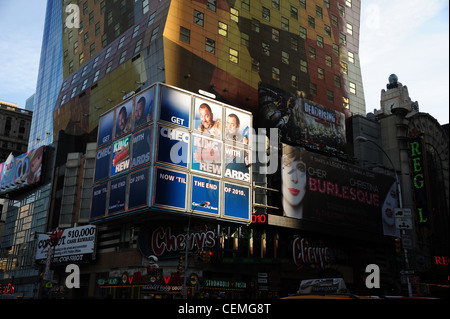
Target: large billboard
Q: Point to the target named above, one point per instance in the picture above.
(170, 149)
(323, 189)
(20, 171)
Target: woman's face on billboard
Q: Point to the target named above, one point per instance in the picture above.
(294, 180)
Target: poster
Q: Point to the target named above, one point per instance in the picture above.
(170, 188)
(206, 155)
(98, 203)
(208, 117)
(143, 108)
(117, 195)
(236, 201)
(237, 163)
(105, 129)
(205, 192)
(124, 118)
(173, 146)
(102, 163)
(175, 106)
(321, 188)
(141, 150)
(139, 189)
(120, 158)
(237, 126)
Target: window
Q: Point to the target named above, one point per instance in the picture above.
(285, 23)
(244, 39)
(337, 81)
(122, 56)
(122, 40)
(199, 17)
(313, 89)
(83, 87)
(81, 58)
(320, 73)
(92, 49)
(97, 73)
(326, 3)
(255, 25)
(294, 13)
(86, 38)
(275, 73)
(210, 46)
(275, 35)
(348, 3)
(266, 49)
(352, 87)
(223, 29)
(151, 19)
(145, 6)
(330, 96)
(284, 57)
(328, 60)
(185, 35)
(234, 15)
(303, 33)
(303, 66)
(351, 57)
(319, 12)
(349, 28)
(294, 80)
(334, 20)
(294, 44)
(344, 67)
(138, 46)
(97, 28)
(155, 33)
(336, 49)
(302, 3)
(311, 22)
(74, 91)
(255, 65)
(265, 14)
(342, 39)
(135, 31)
(327, 30)
(7, 126)
(234, 55)
(345, 102)
(108, 53)
(312, 52)
(245, 4)
(211, 5)
(341, 10)
(320, 41)
(276, 4)
(91, 17)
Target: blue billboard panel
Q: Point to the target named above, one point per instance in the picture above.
(175, 106)
(117, 195)
(237, 126)
(139, 189)
(170, 188)
(205, 192)
(102, 163)
(173, 146)
(121, 159)
(236, 201)
(142, 147)
(206, 155)
(124, 118)
(237, 163)
(143, 107)
(208, 117)
(98, 203)
(105, 129)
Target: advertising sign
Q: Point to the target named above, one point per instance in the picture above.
(102, 163)
(77, 244)
(175, 107)
(105, 129)
(237, 163)
(117, 195)
(205, 192)
(236, 201)
(173, 146)
(124, 118)
(139, 189)
(98, 203)
(141, 150)
(206, 155)
(121, 159)
(170, 188)
(143, 109)
(237, 126)
(321, 188)
(25, 169)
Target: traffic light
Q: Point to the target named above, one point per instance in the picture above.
(398, 246)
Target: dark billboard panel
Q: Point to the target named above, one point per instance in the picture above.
(205, 192)
(138, 196)
(173, 146)
(98, 203)
(175, 106)
(236, 201)
(237, 163)
(120, 158)
(170, 188)
(102, 163)
(105, 129)
(143, 108)
(142, 147)
(321, 188)
(117, 195)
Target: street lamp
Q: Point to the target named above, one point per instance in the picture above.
(202, 204)
(362, 139)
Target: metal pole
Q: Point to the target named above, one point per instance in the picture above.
(400, 199)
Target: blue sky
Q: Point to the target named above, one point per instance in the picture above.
(407, 37)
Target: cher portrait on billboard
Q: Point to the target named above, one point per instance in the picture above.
(293, 178)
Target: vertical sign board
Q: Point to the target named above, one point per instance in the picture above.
(105, 129)
(139, 189)
(170, 189)
(98, 204)
(175, 107)
(236, 201)
(117, 195)
(173, 146)
(142, 147)
(143, 109)
(121, 156)
(205, 192)
(124, 118)
(206, 155)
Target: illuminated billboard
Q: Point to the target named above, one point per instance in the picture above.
(173, 150)
(323, 189)
(21, 171)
